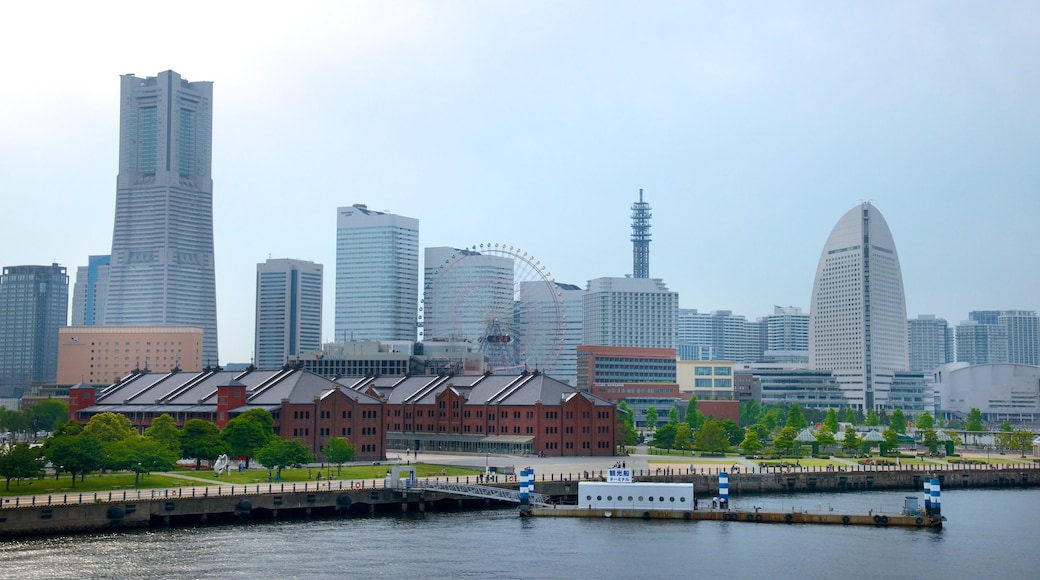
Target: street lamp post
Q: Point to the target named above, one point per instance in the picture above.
(137, 475)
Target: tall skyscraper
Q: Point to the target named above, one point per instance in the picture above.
(637, 312)
(34, 302)
(930, 342)
(288, 311)
(377, 275)
(90, 292)
(980, 344)
(1023, 336)
(162, 266)
(857, 320)
(693, 335)
(788, 334)
(641, 238)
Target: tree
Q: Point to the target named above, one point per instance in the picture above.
(664, 437)
(825, 436)
(673, 416)
(872, 418)
(772, 418)
(795, 418)
(201, 440)
(1005, 427)
(75, 454)
(850, 416)
(891, 440)
(850, 443)
(47, 415)
(925, 421)
(751, 443)
(109, 427)
(784, 442)
(931, 439)
(263, 416)
(143, 455)
(339, 451)
(244, 435)
(691, 412)
(749, 412)
(974, 420)
(1021, 440)
(734, 434)
(651, 417)
(831, 420)
(683, 436)
(164, 430)
(898, 421)
(279, 453)
(711, 438)
(18, 461)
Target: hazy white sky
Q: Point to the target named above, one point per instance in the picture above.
(751, 126)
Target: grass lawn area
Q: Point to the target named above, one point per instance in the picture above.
(93, 482)
(803, 461)
(347, 472)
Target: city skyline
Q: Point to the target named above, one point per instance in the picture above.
(538, 124)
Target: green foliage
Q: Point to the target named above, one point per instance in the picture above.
(691, 412)
(761, 430)
(898, 421)
(664, 437)
(831, 420)
(141, 455)
(683, 436)
(651, 417)
(201, 440)
(244, 434)
(711, 438)
(338, 450)
(18, 461)
(749, 412)
(825, 436)
(627, 432)
(47, 415)
(925, 421)
(891, 439)
(164, 430)
(109, 427)
(931, 439)
(751, 444)
(278, 453)
(673, 416)
(628, 416)
(850, 416)
(872, 418)
(851, 441)
(1021, 440)
(262, 416)
(734, 434)
(1005, 427)
(795, 418)
(974, 420)
(772, 418)
(74, 454)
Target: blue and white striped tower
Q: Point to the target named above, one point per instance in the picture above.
(936, 502)
(723, 489)
(928, 495)
(526, 485)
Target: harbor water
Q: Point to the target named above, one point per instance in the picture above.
(988, 533)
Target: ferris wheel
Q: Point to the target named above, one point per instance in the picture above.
(500, 299)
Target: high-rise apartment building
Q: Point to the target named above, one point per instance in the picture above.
(377, 275)
(162, 262)
(90, 292)
(930, 342)
(34, 302)
(693, 335)
(288, 311)
(1023, 336)
(857, 319)
(788, 330)
(632, 312)
(980, 344)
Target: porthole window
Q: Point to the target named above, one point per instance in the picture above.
(630, 498)
(640, 498)
(661, 498)
(682, 499)
(672, 499)
(651, 498)
(599, 498)
(588, 497)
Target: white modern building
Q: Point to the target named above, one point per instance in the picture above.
(788, 334)
(377, 275)
(693, 336)
(1003, 391)
(633, 312)
(162, 266)
(930, 342)
(857, 320)
(1023, 336)
(288, 311)
(979, 343)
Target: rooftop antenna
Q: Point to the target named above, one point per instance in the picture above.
(641, 238)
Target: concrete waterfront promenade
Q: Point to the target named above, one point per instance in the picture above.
(204, 498)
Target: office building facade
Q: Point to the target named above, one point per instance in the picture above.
(980, 344)
(288, 311)
(90, 292)
(34, 303)
(629, 312)
(857, 319)
(930, 342)
(162, 268)
(104, 355)
(377, 275)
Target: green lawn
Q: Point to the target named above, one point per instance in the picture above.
(803, 461)
(310, 474)
(93, 482)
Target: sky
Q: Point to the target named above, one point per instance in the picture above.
(751, 127)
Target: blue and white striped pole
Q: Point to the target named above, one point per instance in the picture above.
(723, 489)
(936, 502)
(928, 495)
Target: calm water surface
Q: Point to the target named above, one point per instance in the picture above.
(989, 534)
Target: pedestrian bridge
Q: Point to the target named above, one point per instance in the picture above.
(482, 491)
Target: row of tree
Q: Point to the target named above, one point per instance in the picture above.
(110, 442)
